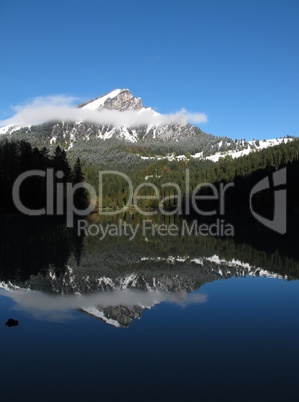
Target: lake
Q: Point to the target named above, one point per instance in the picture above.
(154, 318)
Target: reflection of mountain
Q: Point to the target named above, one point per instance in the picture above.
(120, 299)
(118, 316)
(115, 279)
(122, 316)
(172, 274)
(34, 249)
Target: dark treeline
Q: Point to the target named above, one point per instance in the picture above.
(247, 171)
(17, 157)
(244, 172)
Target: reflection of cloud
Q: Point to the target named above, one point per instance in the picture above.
(60, 108)
(194, 298)
(58, 307)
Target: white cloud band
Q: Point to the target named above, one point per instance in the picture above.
(61, 108)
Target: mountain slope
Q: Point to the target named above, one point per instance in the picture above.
(164, 136)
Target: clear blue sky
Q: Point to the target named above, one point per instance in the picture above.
(235, 60)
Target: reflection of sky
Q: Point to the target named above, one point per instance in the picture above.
(59, 307)
(247, 334)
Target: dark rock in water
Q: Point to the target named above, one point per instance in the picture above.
(12, 323)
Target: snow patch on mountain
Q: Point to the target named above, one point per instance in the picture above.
(99, 102)
(249, 146)
(10, 128)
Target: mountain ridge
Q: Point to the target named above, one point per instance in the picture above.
(175, 139)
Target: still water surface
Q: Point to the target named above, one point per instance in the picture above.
(151, 320)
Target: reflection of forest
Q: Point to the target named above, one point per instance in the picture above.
(32, 246)
(271, 252)
(29, 246)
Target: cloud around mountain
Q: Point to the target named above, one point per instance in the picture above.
(61, 108)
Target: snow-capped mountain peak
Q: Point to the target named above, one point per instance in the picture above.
(99, 119)
(118, 99)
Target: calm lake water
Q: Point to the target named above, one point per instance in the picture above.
(156, 318)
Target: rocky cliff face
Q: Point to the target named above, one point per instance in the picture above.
(118, 99)
(123, 101)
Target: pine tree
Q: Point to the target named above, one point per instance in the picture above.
(61, 163)
(80, 196)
